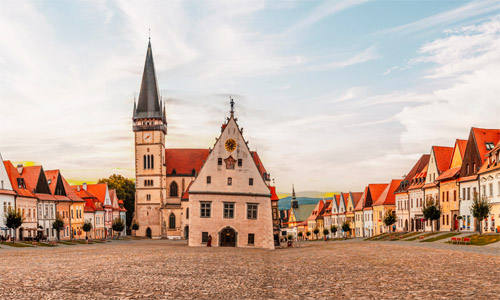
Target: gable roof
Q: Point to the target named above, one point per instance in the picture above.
(317, 210)
(374, 190)
(13, 177)
(70, 191)
(274, 196)
(417, 168)
(419, 180)
(442, 155)
(483, 136)
(53, 179)
(387, 197)
(184, 161)
(303, 211)
(356, 197)
(361, 202)
(34, 176)
(98, 190)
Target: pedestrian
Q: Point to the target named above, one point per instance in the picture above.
(209, 241)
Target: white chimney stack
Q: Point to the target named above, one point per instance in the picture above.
(78, 188)
(84, 186)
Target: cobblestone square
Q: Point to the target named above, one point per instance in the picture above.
(165, 270)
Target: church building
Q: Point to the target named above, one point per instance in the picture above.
(223, 192)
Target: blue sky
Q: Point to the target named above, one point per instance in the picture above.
(333, 95)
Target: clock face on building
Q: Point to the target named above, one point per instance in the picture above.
(148, 137)
(230, 145)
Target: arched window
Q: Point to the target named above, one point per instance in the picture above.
(145, 164)
(149, 161)
(152, 161)
(171, 221)
(174, 189)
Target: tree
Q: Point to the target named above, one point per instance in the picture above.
(13, 219)
(480, 210)
(308, 234)
(389, 218)
(87, 226)
(301, 234)
(333, 229)
(118, 225)
(316, 231)
(58, 225)
(346, 227)
(431, 211)
(125, 190)
(135, 226)
(326, 232)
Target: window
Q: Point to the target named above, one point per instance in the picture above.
(455, 195)
(219, 161)
(145, 162)
(463, 193)
(229, 181)
(209, 179)
(484, 190)
(187, 213)
(204, 237)
(489, 146)
(250, 181)
(148, 197)
(468, 193)
(171, 221)
(1, 183)
(174, 189)
(491, 189)
(468, 169)
(251, 238)
(252, 211)
(229, 210)
(205, 209)
(447, 196)
(240, 162)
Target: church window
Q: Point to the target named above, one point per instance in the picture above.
(250, 181)
(145, 183)
(174, 189)
(229, 181)
(205, 209)
(229, 210)
(209, 179)
(219, 161)
(171, 221)
(251, 238)
(240, 162)
(204, 237)
(152, 161)
(252, 211)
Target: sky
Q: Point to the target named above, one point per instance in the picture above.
(333, 95)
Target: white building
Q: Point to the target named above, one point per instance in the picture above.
(7, 198)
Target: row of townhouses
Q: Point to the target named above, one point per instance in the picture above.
(42, 196)
(452, 176)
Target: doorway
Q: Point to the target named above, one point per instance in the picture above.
(228, 237)
(148, 233)
(186, 232)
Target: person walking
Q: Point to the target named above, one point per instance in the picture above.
(209, 241)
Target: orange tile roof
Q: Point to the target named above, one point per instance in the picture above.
(449, 174)
(417, 168)
(419, 180)
(52, 176)
(31, 175)
(483, 136)
(317, 210)
(185, 196)
(13, 176)
(388, 197)
(356, 197)
(462, 145)
(70, 192)
(443, 157)
(361, 202)
(98, 190)
(495, 164)
(375, 190)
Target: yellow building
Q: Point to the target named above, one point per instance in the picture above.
(352, 201)
(385, 202)
(448, 189)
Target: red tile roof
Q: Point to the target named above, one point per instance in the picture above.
(70, 192)
(443, 157)
(258, 162)
(417, 168)
(419, 180)
(183, 161)
(388, 197)
(376, 189)
(462, 144)
(98, 190)
(274, 196)
(13, 176)
(356, 197)
(483, 136)
(316, 212)
(52, 176)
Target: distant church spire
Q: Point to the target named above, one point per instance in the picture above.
(295, 204)
(232, 106)
(148, 105)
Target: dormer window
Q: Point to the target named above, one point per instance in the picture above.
(489, 146)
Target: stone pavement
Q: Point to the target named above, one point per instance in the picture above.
(317, 270)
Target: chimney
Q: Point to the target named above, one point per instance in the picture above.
(84, 186)
(20, 168)
(78, 188)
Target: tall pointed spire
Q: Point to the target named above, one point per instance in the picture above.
(149, 104)
(295, 203)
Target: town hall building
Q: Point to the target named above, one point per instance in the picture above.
(222, 192)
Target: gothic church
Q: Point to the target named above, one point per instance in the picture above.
(223, 192)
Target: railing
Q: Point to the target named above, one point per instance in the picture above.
(150, 128)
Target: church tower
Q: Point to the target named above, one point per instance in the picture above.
(150, 129)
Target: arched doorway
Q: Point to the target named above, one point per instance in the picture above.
(186, 232)
(227, 237)
(148, 232)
